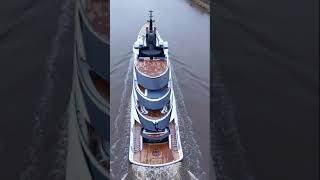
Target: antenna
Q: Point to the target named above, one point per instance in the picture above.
(151, 20)
(150, 15)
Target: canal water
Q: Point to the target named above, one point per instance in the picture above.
(36, 52)
(186, 28)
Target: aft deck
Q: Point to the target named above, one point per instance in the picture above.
(152, 67)
(155, 153)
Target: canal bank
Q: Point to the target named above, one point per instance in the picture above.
(205, 4)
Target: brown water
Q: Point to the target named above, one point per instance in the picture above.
(186, 28)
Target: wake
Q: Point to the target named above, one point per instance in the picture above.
(121, 129)
(191, 150)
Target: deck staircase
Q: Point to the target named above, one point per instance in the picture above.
(137, 143)
(174, 145)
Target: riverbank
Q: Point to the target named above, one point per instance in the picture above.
(203, 4)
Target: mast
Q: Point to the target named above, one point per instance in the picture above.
(150, 21)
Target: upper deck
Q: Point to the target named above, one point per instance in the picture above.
(98, 15)
(152, 74)
(152, 67)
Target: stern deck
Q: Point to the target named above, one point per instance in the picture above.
(155, 153)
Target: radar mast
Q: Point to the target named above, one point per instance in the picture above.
(150, 20)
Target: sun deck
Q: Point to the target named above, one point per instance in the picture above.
(155, 153)
(153, 68)
(98, 15)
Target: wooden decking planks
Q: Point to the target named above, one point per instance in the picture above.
(155, 153)
(153, 114)
(98, 14)
(152, 67)
(142, 89)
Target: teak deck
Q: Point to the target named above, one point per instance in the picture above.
(154, 114)
(102, 86)
(153, 67)
(98, 14)
(155, 153)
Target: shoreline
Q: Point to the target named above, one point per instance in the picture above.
(203, 4)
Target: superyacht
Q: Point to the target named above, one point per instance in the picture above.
(154, 125)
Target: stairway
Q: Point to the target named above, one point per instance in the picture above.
(137, 131)
(174, 145)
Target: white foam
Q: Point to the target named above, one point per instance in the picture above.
(120, 138)
(191, 149)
